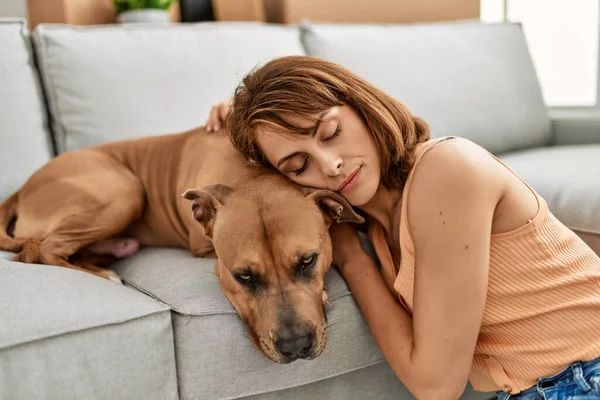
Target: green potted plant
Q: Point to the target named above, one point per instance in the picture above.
(143, 10)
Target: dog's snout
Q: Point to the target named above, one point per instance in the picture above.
(295, 343)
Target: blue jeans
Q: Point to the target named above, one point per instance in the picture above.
(579, 381)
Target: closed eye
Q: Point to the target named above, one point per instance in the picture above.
(300, 170)
(335, 134)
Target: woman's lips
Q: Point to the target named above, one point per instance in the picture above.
(350, 182)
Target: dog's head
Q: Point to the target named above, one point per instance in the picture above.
(273, 248)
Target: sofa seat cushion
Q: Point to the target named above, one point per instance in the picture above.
(568, 178)
(25, 142)
(115, 82)
(465, 78)
(215, 358)
(5, 255)
(66, 334)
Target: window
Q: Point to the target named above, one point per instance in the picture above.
(563, 39)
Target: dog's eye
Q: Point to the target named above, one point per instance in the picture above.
(308, 261)
(244, 278)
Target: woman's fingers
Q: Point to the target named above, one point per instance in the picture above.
(213, 119)
(218, 115)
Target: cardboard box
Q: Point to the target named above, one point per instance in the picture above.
(239, 10)
(78, 12)
(375, 11)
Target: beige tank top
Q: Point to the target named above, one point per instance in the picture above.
(543, 302)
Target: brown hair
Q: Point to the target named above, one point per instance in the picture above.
(307, 86)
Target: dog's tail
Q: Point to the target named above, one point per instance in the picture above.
(8, 210)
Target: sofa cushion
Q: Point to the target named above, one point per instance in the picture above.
(117, 82)
(377, 382)
(567, 177)
(25, 142)
(215, 358)
(211, 343)
(5, 255)
(466, 79)
(67, 334)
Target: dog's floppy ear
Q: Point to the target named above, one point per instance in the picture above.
(335, 207)
(206, 201)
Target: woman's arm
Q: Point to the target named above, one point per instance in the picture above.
(450, 211)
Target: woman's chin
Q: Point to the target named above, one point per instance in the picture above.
(362, 194)
(358, 198)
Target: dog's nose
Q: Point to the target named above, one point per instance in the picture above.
(293, 344)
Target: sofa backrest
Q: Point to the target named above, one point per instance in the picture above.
(117, 82)
(464, 78)
(107, 83)
(25, 142)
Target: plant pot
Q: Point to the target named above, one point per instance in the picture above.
(146, 15)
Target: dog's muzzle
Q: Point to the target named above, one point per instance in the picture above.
(293, 343)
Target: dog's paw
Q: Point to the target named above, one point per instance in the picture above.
(120, 247)
(126, 247)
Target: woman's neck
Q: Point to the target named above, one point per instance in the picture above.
(383, 206)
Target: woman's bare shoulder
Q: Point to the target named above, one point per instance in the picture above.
(458, 160)
(455, 172)
(452, 171)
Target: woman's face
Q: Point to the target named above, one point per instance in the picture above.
(341, 155)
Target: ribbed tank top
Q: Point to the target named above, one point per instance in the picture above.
(542, 310)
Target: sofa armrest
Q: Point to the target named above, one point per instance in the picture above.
(575, 126)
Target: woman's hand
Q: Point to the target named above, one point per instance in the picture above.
(218, 115)
(346, 246)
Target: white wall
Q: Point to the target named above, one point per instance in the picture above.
(13, 8)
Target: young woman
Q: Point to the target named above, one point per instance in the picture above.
(479, 280)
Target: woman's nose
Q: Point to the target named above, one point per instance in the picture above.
(333, 166)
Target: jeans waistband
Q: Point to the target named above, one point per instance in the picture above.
(574, 373)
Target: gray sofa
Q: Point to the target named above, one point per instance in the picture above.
(169, 333)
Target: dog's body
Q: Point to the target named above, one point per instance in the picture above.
(121, 188)
(271, 238)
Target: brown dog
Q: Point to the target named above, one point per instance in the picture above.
(271, 237)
